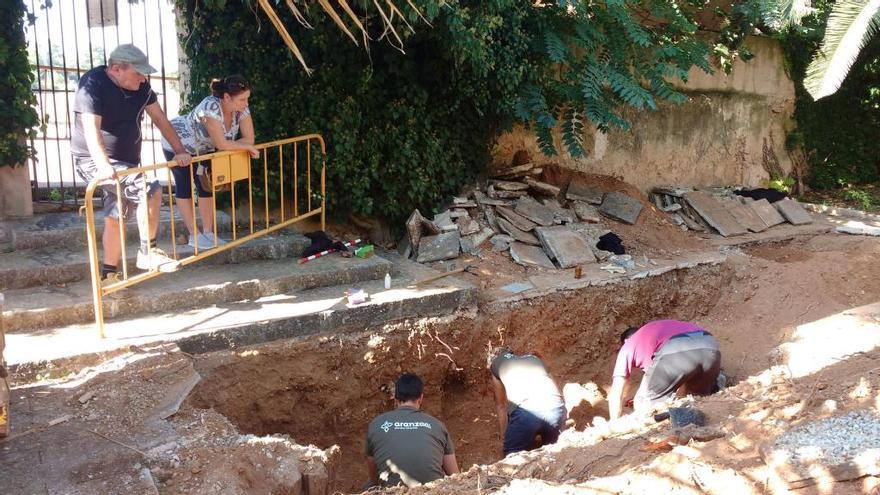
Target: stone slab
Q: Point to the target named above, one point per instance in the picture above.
(517, 234)
(560, 215)
(858, 228)
(578, 191)
(517, 171)
(458, 213)
(543, 188)
(793, 212)
(509, 186)
(506, 194)
(768, 213)
(566, 246)
(439, 247)
(586, 212)
(193, 286)
(471, 244)
(745, 215)
(249, 322)
(529, 255)
(620, 206)
(534, 211)
(714, 213)
(443, 221)
(516, 219)
(467, 225)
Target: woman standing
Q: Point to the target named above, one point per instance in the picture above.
(213, 125)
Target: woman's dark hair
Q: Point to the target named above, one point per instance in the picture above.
(627, 334)
(408, 387)
(232, 85)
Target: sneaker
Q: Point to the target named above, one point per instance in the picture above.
(114, 278)
(156, 259)
(206, 241)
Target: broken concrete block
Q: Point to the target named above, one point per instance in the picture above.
(745, 215)
(467, 225)
(529, 255)
(793, 212)
(444, 222)
(543, 188)
(414, 226)
(458, 213)
(671, 208)
(587, 213)
(714, 213)
(858, 228)
(517, 220)
(471, 244)
(509, 186)
(620, 206)
(439, 247)
(518, 234)
(534, 211)
(493, 202)
(768, 213)
(560, 215)
(460, 201)
(578, 191)
(565, 245)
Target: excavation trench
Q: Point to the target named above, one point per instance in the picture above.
(324, 391)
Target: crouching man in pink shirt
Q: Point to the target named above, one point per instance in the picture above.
(678, 358)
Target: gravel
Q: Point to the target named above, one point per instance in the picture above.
(833, 441)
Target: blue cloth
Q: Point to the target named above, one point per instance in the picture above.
(523, 427)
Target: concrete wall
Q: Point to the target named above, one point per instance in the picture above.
(732, 131)
(15, 193)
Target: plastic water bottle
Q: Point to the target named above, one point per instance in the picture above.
(387, 280)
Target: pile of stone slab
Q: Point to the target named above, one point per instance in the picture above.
(721, 210)
(538, 224)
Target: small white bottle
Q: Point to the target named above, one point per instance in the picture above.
(387, 280)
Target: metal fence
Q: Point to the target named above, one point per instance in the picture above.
(300, 164)
(67, 38)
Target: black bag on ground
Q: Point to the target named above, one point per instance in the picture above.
(611, 242)
(321, 242)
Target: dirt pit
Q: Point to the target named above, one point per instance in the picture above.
(324, 392)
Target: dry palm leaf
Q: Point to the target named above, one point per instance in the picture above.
(264, 4)
(298, 15)
(419, 12)
(393, 8)
(325, 4)
(353, 17)
(389, 26)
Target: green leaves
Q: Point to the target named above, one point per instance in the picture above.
(16, 97)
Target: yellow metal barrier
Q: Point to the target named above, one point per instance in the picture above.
(227, 168)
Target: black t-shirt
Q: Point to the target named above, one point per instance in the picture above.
(121, 111)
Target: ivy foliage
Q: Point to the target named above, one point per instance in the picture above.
(839, 132)
(407, 130)
(16, 98)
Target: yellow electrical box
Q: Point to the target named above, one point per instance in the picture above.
(228, 169)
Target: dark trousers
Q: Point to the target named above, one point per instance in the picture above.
(524, 426)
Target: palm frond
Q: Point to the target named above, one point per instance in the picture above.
(851, 25)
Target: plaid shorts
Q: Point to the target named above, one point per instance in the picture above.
(132, 186)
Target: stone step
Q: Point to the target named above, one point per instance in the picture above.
(50, 229)
(65, 263)
(194, 286)
(285, 315)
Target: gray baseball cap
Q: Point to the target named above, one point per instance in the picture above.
(134, 56)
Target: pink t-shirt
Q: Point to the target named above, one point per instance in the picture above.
(638, 351)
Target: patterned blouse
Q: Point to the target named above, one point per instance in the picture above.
(192, 131)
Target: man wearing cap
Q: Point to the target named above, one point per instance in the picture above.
(678, 358)
(108, 111)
